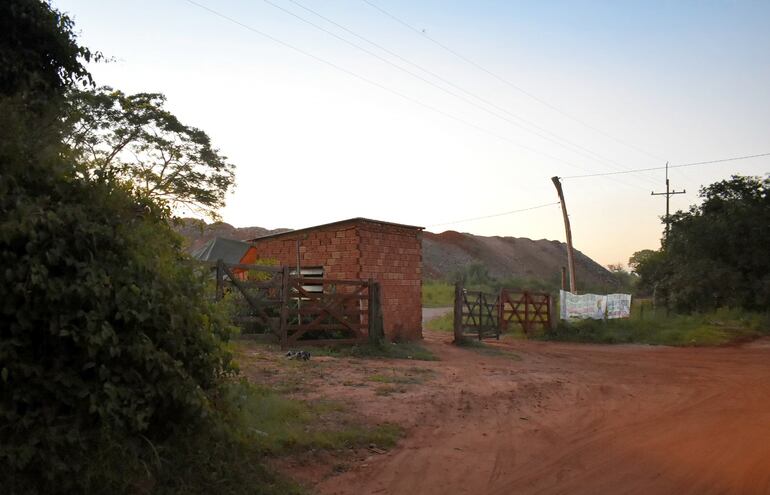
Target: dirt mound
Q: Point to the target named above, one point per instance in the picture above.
(446, 253)
(197, 232)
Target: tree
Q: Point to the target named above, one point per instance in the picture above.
(626, 281)
(134, 138)
(716, 253)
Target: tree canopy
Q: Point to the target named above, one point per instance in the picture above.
(134, 138)
(716, 252)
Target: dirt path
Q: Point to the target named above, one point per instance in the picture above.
(565, 418)
(431, 313)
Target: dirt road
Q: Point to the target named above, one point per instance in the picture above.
(563, 418)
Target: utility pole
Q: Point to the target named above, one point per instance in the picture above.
(570, 251)
(668, 195)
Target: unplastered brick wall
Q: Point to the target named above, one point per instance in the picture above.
(393, 256)
(360, 250)
(336, 250)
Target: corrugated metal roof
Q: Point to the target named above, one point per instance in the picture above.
(228, 250)
(333, 224)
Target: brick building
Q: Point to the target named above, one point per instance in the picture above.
(358, 249)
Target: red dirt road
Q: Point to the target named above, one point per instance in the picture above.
(567, 418)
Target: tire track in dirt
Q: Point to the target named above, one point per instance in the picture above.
(583, 419)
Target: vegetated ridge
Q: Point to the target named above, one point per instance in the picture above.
(507, 257)
(445, 254)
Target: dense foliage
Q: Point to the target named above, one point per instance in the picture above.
(108, 345)
(716, 252)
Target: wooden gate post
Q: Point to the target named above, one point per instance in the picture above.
(482, 304)
(458, 313)
(376, 330)
(282, 331)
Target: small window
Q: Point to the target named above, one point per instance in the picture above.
(310, 272)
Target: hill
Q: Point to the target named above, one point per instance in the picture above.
(506, 257)
(446, 253)
(197, 232)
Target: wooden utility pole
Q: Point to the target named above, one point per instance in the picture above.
(570, 251)
(668, 195)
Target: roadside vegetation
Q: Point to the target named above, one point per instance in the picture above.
(117, 369)
(719, 327)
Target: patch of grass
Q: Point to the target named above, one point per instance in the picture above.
(386, 390)
(436, 294)
(412, 376)
(392, 350)
(721, 327)
(279, 425)
(487, 350)
(443, 323)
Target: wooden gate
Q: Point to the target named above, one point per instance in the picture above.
(476, 314)
(525, 308)
(483, 314)
(333, 312)
(256, 293)
(300, 311)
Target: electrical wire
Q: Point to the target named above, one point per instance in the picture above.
(555, 138)
(509, 83)
(431, 83)
(493, 215)
(381, 86)
(681, 165)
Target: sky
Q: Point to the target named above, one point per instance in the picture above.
(467, 115)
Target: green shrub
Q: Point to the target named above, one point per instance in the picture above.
(105, 333)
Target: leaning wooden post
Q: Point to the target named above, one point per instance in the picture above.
(283, 330)
(458, 313)
(220, 292)
(570, 250)
(376, 330)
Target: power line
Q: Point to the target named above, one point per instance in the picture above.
(493, 215)
(509, 83)
(681, 165)
(380, 86)
(462, 98)
(559, 140)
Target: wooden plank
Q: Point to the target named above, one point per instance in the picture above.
(321, 342)
(324, 326)
(327, 281)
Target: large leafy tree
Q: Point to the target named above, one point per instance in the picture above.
(716, 252)
(135, 139)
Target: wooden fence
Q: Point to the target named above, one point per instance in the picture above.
(300, 311)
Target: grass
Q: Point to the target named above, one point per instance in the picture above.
(391, 350)
(437, 294)
(443, 323)
(721, 327)
(278, 425)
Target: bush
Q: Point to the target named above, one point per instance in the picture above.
(106, 336)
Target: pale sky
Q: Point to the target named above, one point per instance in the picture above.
(678, 81)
